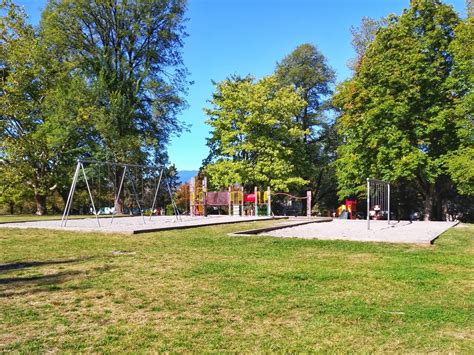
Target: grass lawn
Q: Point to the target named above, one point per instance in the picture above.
(201, 290)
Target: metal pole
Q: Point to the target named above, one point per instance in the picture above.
(136, 195)
(229, 201)
(256, 201)
(368, 204)
(242, 201)
(204, 194)
(156, 194)
(308, 204)
(118, 194)
(90, 195)
(89, 161)
(388, 203)
(269, 201)
(173, 203)
(67, 207)
(192, 194)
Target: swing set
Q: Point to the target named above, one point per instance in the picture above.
(378, 200)
(149, 177)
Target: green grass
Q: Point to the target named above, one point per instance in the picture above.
(200, 290)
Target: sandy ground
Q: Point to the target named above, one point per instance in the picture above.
(356, 230)
(131, 224)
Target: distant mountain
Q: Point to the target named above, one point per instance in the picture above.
(186, 175)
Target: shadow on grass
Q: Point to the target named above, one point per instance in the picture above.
(27, 285)
(59, 277)
(19, 286)
(27, 264)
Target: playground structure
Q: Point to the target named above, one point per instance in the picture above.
(378, 200)
(347, 210)
(237, 202)
(133, 174)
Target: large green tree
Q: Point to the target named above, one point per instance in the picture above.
(130, 53)
(397, 116)
(460, 163)
(307, 70)
(43, 109)
(254, 137)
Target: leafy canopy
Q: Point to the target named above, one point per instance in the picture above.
(397, 116)
(254, 137)
(130, 52)
(42, 122)
(306, 69)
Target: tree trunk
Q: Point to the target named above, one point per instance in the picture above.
(428, 205)
(40, 204)
(119, 206)
(64, 195)
(11, 205)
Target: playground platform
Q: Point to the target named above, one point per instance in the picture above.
(417, 232)
(136, 225)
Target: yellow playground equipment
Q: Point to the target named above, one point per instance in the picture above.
(237, 202)
(197, 196)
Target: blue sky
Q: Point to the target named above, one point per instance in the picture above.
(248, 37)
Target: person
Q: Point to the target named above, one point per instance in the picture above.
(377, 211)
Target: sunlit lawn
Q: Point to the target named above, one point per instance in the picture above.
(201, 290)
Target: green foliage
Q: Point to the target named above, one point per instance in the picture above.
(255, 140)
(130, 55)
(460, 163)
(42, 124)
(12, 191)
(307, 70)
(460, 167)
(397, 114)
(363, 36)
(96, 78)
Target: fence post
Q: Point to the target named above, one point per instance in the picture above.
(388, 203)
(192, 195)
(308, 204)
(368, 203)
(204, 196)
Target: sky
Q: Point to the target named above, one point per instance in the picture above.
(249, 37)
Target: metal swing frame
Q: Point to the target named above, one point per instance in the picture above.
(381, 197)
(126, 172)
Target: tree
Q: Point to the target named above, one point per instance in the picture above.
(460, 163)
(396, 113)
(42, 121)
(363, 36)
(307, 70)
(130, 52)
(182, 198)
(12, 191)
(254, 139)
